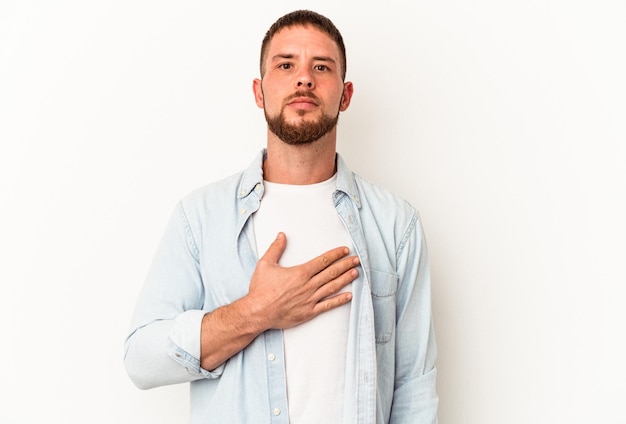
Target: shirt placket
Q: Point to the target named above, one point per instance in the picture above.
(363, 327)
(273, 339)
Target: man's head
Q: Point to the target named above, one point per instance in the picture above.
(304, 18)
(302, 89)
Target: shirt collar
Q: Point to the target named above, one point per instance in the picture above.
(346, 181)
(253, 178)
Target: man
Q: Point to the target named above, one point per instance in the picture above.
(333, 323)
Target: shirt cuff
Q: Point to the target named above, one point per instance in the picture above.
(184, 344)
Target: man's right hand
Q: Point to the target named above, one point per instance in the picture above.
(286, 297)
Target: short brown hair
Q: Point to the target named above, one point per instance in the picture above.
(304, 18)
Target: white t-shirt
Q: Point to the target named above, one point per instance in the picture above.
(315, 352)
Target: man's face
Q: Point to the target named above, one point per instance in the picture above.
(302, 91)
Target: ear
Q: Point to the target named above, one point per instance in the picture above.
(258, 92)
(348, 90)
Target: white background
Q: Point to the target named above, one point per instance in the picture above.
(503, 122)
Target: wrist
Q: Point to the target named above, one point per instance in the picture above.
(254, 315)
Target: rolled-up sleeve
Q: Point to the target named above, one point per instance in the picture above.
(163, 345)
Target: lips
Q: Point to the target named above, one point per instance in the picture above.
(302, 99)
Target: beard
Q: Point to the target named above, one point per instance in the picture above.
(302, 133)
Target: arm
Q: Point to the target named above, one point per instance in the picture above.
(415, 398)
(169, 321)
(168, 312)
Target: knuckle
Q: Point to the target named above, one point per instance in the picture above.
(333, 273)
(301, 274)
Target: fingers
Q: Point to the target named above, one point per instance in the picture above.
(325, 260)
(336, 269)
(333, 279)
(276, 249)
(332, 303)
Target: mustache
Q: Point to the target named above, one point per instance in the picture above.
(302, 93)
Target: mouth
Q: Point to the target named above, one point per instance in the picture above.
(303, 97)
(302, 102)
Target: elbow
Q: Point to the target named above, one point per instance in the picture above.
(136, 373)
(138, 368)
(140, 383)
(138, 379)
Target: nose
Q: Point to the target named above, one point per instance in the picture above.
(305, 80)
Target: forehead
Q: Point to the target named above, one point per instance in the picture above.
(302, 40)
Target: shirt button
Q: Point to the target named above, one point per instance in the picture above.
(276, 411)
(271, 356)
(243, 211)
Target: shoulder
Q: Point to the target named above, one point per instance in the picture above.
(371, 198)
(226, 191)
(214, 200)
(225, 187)
(387, 218)
(383, 201)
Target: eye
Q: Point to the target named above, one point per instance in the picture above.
(284, 66)
(321, 68)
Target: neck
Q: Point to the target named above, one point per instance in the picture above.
(300, 164)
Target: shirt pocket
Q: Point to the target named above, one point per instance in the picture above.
(384, 286)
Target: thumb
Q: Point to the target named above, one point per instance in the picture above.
(276, 249)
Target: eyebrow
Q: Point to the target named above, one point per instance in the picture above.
(291, 56)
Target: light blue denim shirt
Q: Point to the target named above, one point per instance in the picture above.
(206, 259)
